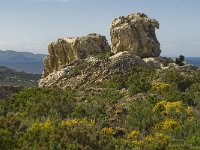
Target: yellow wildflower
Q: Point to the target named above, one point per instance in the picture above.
(138, 142)
(159, 86)
(177, 106)
(160, 106)
(149, 138)
(190, 119)
(134, 134)
(170, 124)
(189, 110)
(71, 122)
(166, 107)
(158, 137)
(108, 130)
(162, 138)
(45, 125)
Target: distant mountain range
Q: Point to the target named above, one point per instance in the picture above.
(10, 77)
(22, 61)
(33, 63)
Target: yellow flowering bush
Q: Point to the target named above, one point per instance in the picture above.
(166, 107)
(159, 137)
(156, 141)
(133, 135)
(108, 130)
(72, 122)
(159, 86)
(170, 124)
(138, 142)
(190, 119)
(189, 110)
(135, 139)
(162, 138)
(149, 138)
(46, 125)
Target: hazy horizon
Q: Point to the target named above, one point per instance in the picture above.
(30, 25)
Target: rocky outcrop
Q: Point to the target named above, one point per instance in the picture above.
(73, 62)
(159, 62)
(91, 70)
(135, 33)
(67, 50)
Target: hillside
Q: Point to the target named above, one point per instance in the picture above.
(22, 61)
(10, 77)
(96, 96)
(142, 109)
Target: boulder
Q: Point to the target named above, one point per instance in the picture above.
(159, 62)
(135, 33)
(66, 50)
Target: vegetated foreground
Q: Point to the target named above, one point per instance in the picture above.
(143, 109)
(96, 97)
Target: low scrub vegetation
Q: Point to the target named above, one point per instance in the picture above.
(143, 109)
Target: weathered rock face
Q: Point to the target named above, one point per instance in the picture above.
(135, 33)
(91, 70)
(67, 50)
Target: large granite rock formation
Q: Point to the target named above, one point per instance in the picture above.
(134, 43)
(67, 50)
(135, 33)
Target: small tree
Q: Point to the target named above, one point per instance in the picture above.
(180, 60)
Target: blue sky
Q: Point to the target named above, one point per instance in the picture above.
(30, 25)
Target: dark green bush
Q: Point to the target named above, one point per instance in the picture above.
(39, 103)
(180, 60)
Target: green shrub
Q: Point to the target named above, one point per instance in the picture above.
(39, 103)
(105, 55)
(139, 80)
(180, 60)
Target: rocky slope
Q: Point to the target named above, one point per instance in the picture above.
(76, 62)
(92, 70)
